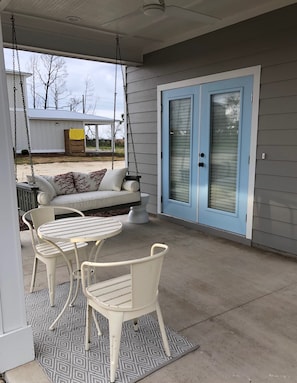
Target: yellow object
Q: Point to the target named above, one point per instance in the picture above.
(76, 134)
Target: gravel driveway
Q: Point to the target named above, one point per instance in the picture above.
(63, 167)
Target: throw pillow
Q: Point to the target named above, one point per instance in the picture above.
(131, 186)
(113, 179)
(62, 183)
(88, 182)
(43, 186)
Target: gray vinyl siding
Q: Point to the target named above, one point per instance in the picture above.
(269, 41)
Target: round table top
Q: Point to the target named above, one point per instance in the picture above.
(80, 229)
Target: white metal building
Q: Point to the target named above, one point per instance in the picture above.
(45, 126)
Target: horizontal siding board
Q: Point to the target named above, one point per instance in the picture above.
(278, 153)
(148, 138)
(276, 198)
(143, 107)
(144, 169)
(147, 169)
(276, 168)
(279, 71)
(148, 127)
(277, 228)
(280, 88)
(147, 158)
(278, 137)
(282, 184)
(276, 213)
(141, 118)
(144, 127)
(274, 242)
(278, 105)
(151, 190)
(278, 122)
(142, 96)
(144, 149)
(145, 183)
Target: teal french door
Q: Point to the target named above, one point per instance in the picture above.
(205, 153)
(179, 150)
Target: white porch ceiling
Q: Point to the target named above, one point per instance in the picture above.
(88, 28)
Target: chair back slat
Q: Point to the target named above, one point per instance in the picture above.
(145, 280)
(42, 215)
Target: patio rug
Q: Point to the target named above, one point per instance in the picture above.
(62, 355)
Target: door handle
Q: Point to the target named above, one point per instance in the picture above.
(200, 164)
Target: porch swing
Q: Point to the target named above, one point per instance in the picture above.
(27, 192)
(128, 121)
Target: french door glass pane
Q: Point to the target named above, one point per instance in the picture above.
(223, 169)
(180, 145)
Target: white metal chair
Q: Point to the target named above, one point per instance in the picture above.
(45, 251)
(124, 298)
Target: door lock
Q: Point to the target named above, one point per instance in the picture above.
(200, 164)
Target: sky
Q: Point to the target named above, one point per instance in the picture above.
(102, 76)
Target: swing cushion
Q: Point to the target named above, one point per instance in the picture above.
(44, 186)
(113, 179)
(88, 182)
(62, 183)
(130, 186)
(114, 190)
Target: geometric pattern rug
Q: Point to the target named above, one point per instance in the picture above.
(61, 352)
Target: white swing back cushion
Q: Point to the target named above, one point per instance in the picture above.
(44, 186)
(113, 179)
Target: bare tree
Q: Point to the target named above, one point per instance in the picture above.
(59, 92)
(51, 76)
(74, 102)
(88, 94)
(32, 67)
(48, 86)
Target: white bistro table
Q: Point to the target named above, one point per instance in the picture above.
(75, 230)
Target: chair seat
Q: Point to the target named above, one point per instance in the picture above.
(49, 250)
(115, 292)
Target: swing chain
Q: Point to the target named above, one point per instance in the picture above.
(128, 122)
(16, 55)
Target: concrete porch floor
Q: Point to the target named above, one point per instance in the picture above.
(237, 302)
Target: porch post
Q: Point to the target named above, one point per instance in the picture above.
(16, 339)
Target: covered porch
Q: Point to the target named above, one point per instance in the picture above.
(239, 303)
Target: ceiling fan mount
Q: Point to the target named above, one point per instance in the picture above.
(157, 10)
(154, 9)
